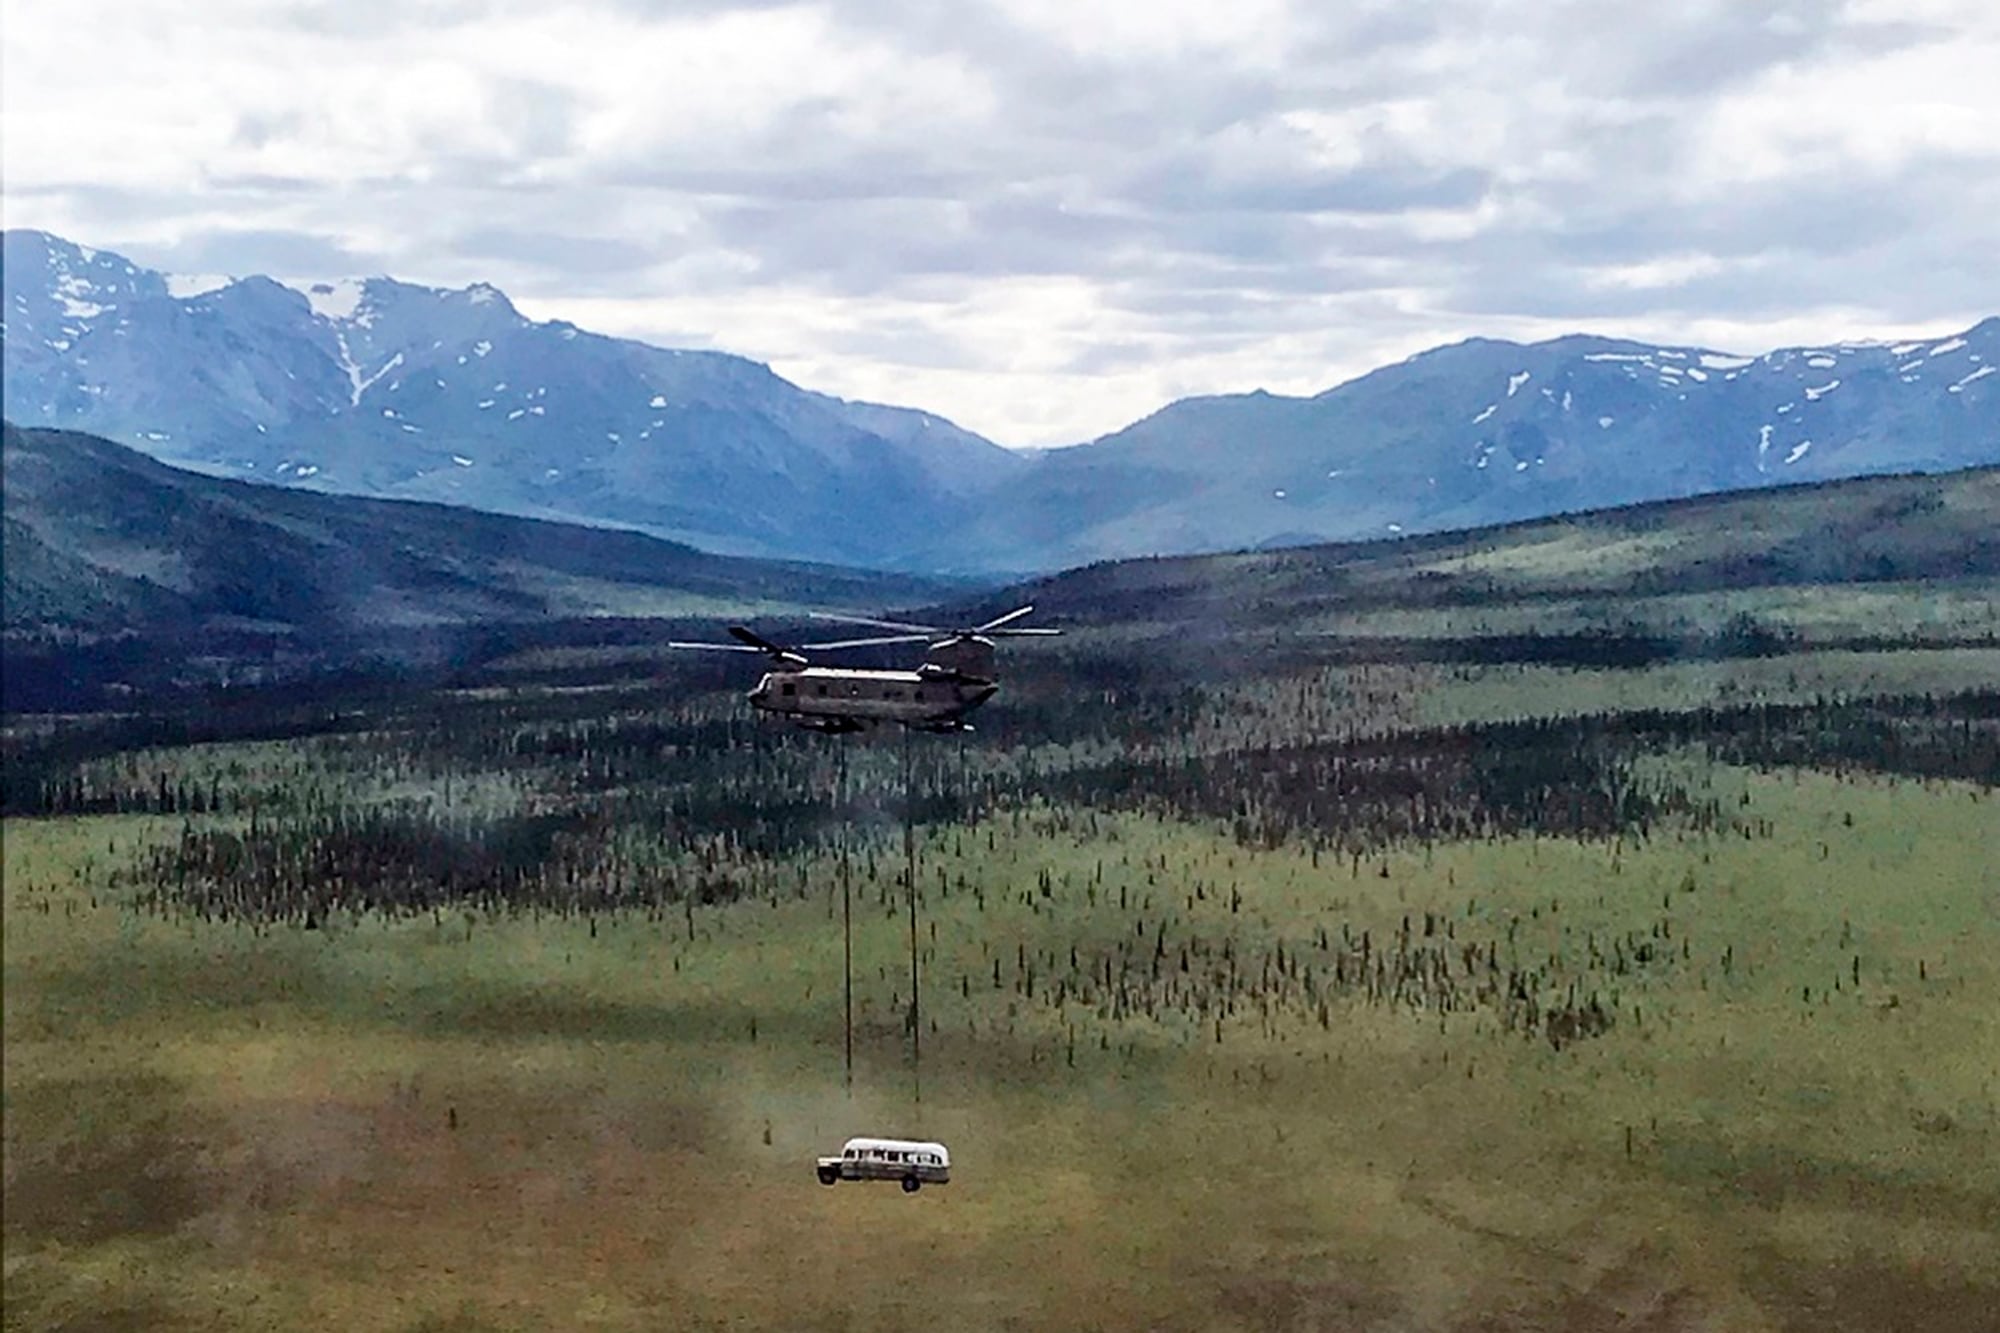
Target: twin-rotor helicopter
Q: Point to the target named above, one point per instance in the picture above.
(955, 677)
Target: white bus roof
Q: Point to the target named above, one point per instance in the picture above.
(897, 1145)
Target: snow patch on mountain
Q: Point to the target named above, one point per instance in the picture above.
(357, 382)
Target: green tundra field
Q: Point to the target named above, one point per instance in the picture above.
(1363, 977)
(1739, 1069)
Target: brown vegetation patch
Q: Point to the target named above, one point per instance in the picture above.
(90, 1159)
(1861, 1296)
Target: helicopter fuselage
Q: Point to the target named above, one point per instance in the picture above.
(834, 699)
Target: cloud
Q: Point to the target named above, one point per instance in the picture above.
(1044, 218)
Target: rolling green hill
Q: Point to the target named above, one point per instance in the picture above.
(101, 539)
(1829, 559)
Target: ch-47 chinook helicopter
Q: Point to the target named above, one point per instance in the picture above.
(956, 676)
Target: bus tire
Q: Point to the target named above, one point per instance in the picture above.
(911, 1184)
(828, 1175)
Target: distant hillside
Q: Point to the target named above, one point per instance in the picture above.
(1942, 532)
(101, 540)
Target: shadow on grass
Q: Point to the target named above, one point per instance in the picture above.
(1862, 1296)
(110, 987)
(1774, 1175)
(93, 1159)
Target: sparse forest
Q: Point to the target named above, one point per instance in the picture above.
(1679, 947)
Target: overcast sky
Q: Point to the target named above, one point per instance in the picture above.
(1046, 218)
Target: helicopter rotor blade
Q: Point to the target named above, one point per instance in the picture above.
(871, 642)
(748, 642)
(1022, 633)
(879, 624)
(714, 647)
(1013, 615)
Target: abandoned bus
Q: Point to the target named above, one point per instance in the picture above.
(913, 1163)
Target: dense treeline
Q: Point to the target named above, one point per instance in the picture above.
(1568, 777)
(508, 807)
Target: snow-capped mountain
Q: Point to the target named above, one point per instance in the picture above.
(383, 388)
(1484, 432)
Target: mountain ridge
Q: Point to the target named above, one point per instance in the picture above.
(385, 388)
(381, 387)
(1485, 431)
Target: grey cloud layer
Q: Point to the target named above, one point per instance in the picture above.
(1316, 184)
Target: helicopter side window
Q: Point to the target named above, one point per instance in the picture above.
(822, 691)
(788, 689)
(920, 696)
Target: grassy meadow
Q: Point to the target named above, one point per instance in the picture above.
(1587, 924)
(1741, 1076)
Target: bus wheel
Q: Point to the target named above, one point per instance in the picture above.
(828, 1175)
(911, 1184)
